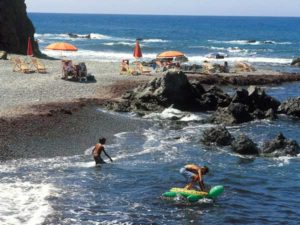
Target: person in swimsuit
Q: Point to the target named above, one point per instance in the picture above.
(193, 174)
(98, 149)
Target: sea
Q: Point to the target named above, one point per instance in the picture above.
(72, 191)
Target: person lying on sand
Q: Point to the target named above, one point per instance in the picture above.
(98, 149)
(193, 174)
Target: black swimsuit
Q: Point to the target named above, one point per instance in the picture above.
(99, 160)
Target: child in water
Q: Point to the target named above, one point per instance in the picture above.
(98, 149)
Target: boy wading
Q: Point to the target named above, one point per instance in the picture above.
(98, 149)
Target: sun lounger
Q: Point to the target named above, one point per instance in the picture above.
(38, 65)
(142, 69)
(81, 71)
(20, 65)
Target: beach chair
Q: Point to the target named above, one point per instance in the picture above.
(142, 69)
(81, 71)
(20, 65)
(38, 65)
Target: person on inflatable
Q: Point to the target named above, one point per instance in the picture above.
(98, 149)
(193, 174)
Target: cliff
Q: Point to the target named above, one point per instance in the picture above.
(15, 27)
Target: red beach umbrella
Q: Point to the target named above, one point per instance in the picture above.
(137, 52)
(29, 47)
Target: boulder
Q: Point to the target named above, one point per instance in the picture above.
(296, 62)
(173, 89)
(280, 146)
(245, 106)
(217, 135)
(3, 55)
(241, 96)
(258, 99)
(235, 113)
(244, 146)
(291, 107)
(16, 27)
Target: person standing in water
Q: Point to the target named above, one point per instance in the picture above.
(98, 149)
(193, 174)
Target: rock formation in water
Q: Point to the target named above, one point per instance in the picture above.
(16, 27)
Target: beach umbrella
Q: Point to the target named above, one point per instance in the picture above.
(29, 47)
(170, 55)
(137, 52)
(62, 46)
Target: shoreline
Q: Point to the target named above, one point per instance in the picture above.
(65, 116)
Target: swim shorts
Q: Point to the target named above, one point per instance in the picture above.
(187, 174)
(99, 160)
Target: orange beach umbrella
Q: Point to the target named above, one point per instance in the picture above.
(137, 52)
(62, 46)
(169, 54)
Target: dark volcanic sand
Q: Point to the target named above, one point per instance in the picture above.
(61, 134)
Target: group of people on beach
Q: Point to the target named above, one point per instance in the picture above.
(193, 173)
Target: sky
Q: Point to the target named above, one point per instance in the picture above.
(170, 7)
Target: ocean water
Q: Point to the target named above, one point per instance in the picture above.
(72, 191)
(266, 42)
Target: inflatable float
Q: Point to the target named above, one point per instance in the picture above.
(194, 195)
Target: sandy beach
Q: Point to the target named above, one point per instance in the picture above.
(19, 90)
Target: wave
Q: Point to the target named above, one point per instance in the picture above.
(154, 41)
(250, 42)
(97, 55)
(99, 36)
(120, 43)
(68, 37)
(24, 202)
(104, 56)
(198, 59)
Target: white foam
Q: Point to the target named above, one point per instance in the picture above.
(249, 42)
(120, 43)
(67, 37)
(154, 40)
(96, 55)
(198, 59)
(24, 203)
(99, 36)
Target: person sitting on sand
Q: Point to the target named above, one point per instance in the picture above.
(98, 149)
(193, 174)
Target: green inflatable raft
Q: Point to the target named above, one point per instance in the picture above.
(193, 195)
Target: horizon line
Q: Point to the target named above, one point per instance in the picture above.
(132, 14)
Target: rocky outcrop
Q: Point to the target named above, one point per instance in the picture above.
(280, 146)
(296, 62)
(87, 36)
(15, 27)
(245, 106)
(290, 107)
(172, 89)
(244, 146)
(217, 135)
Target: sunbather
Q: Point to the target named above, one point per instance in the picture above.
(68, 69)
